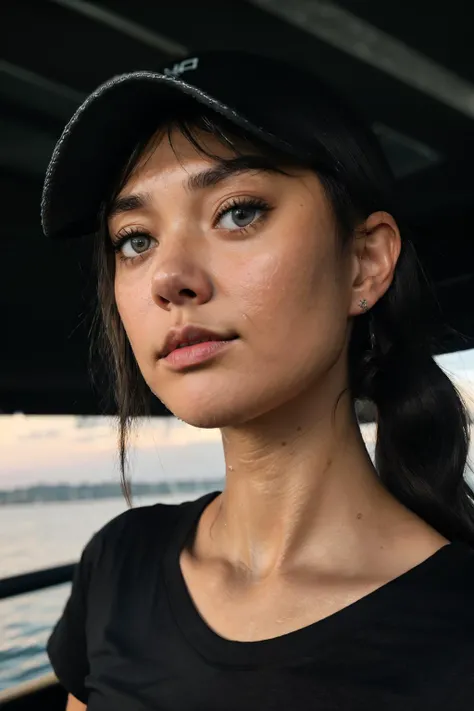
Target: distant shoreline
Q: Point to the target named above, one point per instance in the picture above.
(46, 493)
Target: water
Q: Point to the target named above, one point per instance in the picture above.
(42, 536)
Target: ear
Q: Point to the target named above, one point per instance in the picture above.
(376, 249)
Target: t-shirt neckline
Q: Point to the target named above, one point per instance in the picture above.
(306, 643)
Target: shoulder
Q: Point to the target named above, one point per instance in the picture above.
(459, 567)
(453, 573)
(137, 533)
(136, 521)
(132, 527)
(449, 592)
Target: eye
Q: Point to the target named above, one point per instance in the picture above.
(132, 245)
(242, 213)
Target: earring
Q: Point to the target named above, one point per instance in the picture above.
(364, 305)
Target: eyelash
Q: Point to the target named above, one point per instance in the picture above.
(248, 203)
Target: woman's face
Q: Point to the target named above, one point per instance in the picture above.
(254, 254)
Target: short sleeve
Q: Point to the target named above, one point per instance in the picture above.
(67, 645)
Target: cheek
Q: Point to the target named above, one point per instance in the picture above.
(133, 305)
(291, 292)
(295, 322)
(295, 308)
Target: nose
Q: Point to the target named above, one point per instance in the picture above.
(180, 280)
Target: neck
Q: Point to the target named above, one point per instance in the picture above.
(297, 487)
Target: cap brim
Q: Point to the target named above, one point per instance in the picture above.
(101, 135)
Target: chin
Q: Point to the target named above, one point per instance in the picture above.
(213, 400)
(210, 410)
(206, 416)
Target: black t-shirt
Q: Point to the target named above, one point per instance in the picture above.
(131, 639)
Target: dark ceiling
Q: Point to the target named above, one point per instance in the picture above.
(407, 66)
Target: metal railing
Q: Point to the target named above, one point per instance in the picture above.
(12, 698)
(42, 688)
(36, 580)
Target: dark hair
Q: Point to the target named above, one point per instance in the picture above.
(422, 425)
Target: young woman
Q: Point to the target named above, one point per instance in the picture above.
(254, 276)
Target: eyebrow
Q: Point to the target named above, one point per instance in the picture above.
(128, 203)
(212, 176)
(198, 181)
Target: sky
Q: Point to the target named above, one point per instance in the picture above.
(48, 449)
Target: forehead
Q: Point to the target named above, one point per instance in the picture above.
(202, 161)
(195, 162)
(168, 148)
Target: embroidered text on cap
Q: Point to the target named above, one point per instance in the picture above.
(180, 67)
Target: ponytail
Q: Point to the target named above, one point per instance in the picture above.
(422, 424)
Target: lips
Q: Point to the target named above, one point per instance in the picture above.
(192, 334)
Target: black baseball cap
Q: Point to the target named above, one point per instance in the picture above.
(272, 100)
